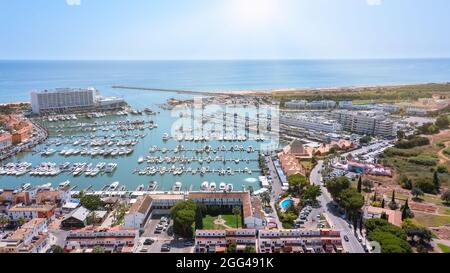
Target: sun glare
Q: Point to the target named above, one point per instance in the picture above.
(255, 11)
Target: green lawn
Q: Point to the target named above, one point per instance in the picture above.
(444, 248)
(430, 220)
(230, 220)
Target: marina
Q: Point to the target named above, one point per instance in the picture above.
(131, 146)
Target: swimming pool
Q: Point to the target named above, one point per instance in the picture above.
(286, 203)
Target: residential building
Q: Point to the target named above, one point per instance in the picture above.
(31, 212)
(112, 239)
(146, 205)
(32, 237)
(138, 213)
(5, 141)
(299, 241)
(319, 124)
(217, 241)
(372, 123)
(313, 105)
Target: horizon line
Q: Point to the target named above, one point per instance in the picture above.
(237, 59)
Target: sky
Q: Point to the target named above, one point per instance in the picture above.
(223, 29)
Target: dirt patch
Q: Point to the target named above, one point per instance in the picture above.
(443, 233)
(423, 207)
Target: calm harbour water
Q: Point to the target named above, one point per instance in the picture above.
(18, 78)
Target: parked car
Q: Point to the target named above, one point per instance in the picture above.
(165, 248)
(188, 243)
(148, 242)
(346, 238)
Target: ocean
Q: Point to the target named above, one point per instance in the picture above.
(18, 78)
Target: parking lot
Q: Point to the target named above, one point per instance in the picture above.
(157, 234)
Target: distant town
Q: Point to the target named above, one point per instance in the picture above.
(362, 170)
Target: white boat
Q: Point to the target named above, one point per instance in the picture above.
(177, 186)
(222, 186)
(141, 160)
(153, 185)
(229, 187)
(140, 188)
(165, 137)
(26, 186)
(113, 186)
(205, 186)
(212, 186)
(64, 184)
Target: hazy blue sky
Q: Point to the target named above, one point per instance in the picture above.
(223, 29)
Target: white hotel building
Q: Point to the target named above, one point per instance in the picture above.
(317, 124)
(62, 99)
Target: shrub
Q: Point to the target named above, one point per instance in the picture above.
(442, 169)
(426, 185)
(390, 152)
(424, 160)
(416, 141)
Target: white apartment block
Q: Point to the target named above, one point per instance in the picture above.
(318, 105)
(299, 241)
(311, 123)
(110, 239)
(62, 99)
(32, 237)
(365, 122)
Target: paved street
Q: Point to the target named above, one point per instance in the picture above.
(333, 216)
(276, 187)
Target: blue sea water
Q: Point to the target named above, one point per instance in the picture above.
(18, 78)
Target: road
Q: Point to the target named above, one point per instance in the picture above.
(333, 216)
(276, 188)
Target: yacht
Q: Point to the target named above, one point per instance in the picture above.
(177, 186)
(205, 186)
(165, 137)
(64, 184)
(113, 186)
(222, 186)
(141, 160)
(212, 186)
(152, 186)
(229, 187)
(140, 188)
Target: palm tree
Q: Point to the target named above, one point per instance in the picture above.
(21, 221)
(237, 213)
(4, 221)
(265, 198)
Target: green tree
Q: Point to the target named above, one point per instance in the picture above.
(393, 204)
(442, 122)
(198, 218)
(56, 249)
(446, 197)
(351, 200)
(401, 134)
(436, 182)
(311, 193)
(231, 248)
(21, 221)
(98, 249)
(297, 183)
(417, 193)
(249, 249)
(237, 212)
(91, 202)
(368, 185)
(265, 198)
(4, 221)
(365, 140)
(406, 211)
(359, 187)
(336, 185)
(183, 215)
